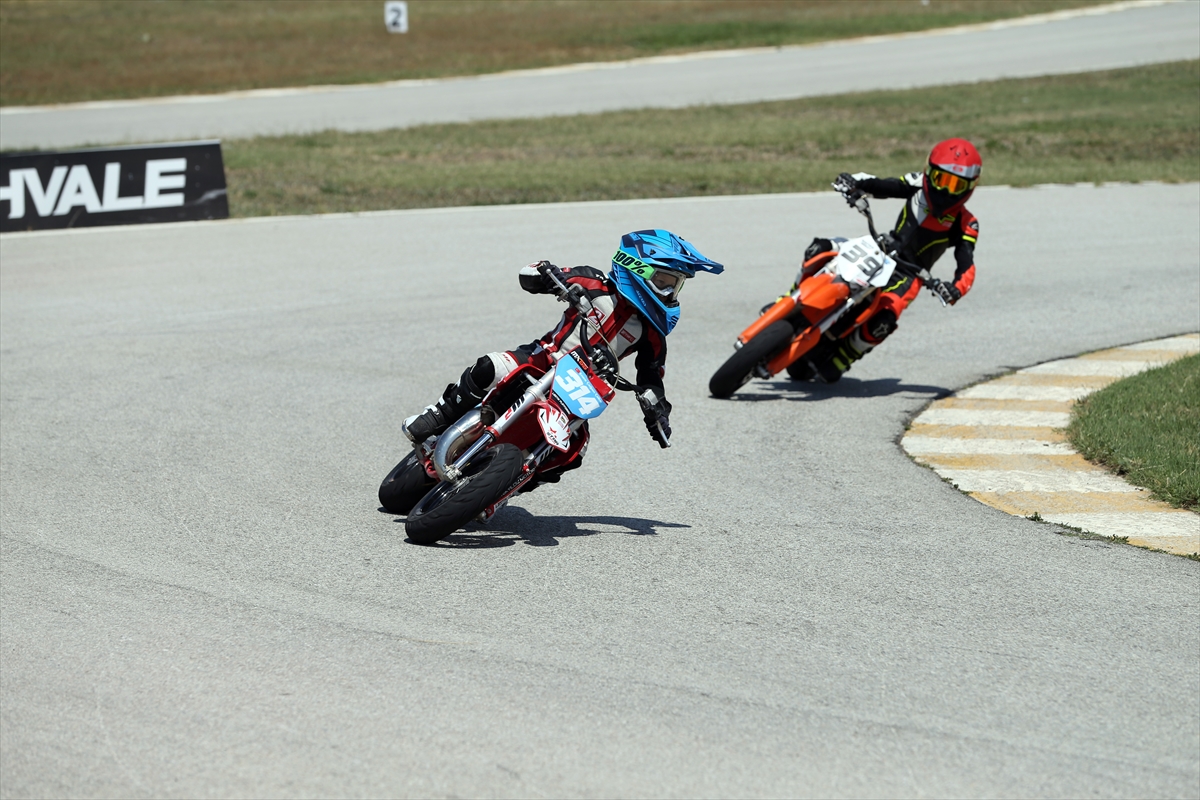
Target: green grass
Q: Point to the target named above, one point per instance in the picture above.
(61, 51)
(1125, 125)
(1147, 428)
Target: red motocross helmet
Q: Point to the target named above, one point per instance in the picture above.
(952, 173)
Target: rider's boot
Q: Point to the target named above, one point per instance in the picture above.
(805, 368)
(801, 370)
(848, 350)
(458, 399)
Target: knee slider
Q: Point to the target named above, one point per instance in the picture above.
(479, 377)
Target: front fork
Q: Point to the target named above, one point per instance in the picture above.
(449, 467)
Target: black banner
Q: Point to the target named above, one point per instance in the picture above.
(112, 186)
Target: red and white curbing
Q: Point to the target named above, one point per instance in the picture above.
(1001, 442)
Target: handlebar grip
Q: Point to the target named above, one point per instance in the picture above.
(553, 273)
(568, 292)
(935, 286)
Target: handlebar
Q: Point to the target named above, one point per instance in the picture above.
(575, 297)
(568, 293)
(858, 201)
(651, 403)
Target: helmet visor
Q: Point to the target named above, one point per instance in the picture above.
(949, 182)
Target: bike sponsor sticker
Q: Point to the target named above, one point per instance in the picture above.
(574, 390)
(556, 427)
(632, 264)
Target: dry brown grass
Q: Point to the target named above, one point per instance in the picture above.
(64, 50)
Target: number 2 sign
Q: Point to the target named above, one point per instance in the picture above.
(395, 16)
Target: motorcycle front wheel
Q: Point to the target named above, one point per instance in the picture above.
(404, 486)
(449, 506)
(737, 371)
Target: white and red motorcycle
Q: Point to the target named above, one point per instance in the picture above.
(533, 423)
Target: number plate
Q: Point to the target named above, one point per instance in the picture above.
(860, 261)
(574, 389)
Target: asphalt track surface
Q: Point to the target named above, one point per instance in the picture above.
(200, 597)
(1097, 38)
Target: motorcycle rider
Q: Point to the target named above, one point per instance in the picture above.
(634, 308)
(934, 219)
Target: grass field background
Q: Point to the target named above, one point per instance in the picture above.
(1125, 125)
(55, 51)
(1147, 428)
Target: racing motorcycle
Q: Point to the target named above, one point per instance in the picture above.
(531, 426)
(849, 282)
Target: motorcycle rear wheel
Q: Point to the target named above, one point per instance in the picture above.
(737, 371)
(404, 486)
(449, 506)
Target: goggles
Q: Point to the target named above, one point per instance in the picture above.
(666, 283)
(949, 182)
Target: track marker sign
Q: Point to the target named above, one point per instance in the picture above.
(395, 16)
(112, 186)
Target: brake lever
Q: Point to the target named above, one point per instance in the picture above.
(661, 436)
(649, 401)
(934, 286)
(569, 293)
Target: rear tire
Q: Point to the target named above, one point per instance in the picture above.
(449, 506)
(737, 371)
(404, 486)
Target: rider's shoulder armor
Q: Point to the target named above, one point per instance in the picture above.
(915, 179)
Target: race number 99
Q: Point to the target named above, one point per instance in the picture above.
(395, 16)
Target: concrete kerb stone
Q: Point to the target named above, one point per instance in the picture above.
(1002, 443)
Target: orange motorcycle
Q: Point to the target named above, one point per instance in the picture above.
(847, 280)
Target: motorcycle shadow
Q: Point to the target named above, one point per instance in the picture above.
(809, 391)
(514, 524)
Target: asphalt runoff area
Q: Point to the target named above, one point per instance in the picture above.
(200, 597)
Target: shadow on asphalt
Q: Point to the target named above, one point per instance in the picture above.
(514, 524)
(808, 391)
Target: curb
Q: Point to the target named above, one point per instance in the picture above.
(1002, 443)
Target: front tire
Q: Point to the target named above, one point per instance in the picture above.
(404, 486)
(737, 371)
(449, 506)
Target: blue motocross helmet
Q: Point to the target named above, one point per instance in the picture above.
(649, 269)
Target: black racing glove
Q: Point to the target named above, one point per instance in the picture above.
(948, 292)
(546, 269)
(847, 186)
(656, 413)
(654, 421)
(535, 278)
